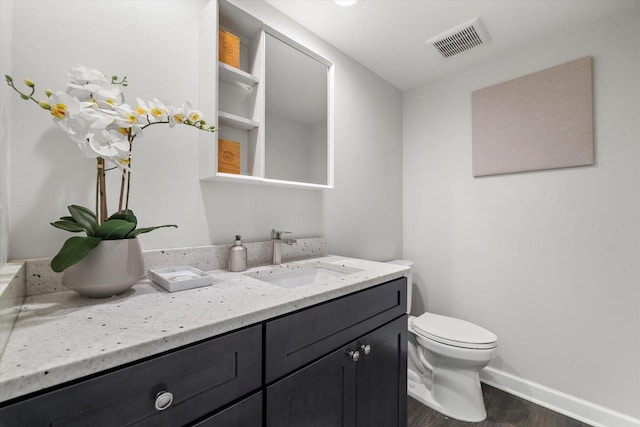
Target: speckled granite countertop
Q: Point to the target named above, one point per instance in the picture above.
(62, 336)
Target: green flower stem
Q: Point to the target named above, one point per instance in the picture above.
(102, 190)
(126, 205)
(131, 138)
(23, 95)
(123, 82)
(122, 179)
(200, 124)
(97, 185)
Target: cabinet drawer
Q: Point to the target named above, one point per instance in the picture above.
(201, 377)
(299, 338)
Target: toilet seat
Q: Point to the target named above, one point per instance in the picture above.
(454, 332)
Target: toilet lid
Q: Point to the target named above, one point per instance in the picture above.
(456, 332)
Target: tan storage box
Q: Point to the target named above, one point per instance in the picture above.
(228, 156)
(229, 48)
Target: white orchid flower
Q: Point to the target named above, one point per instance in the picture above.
(63, 105)
(176, 116)
(75, 117)
(142, 108)
(82, 124)
(192, 115)
(82, 128)
(127, 117)
(82, 75)
(89, 84)
(157, 111)
(109, 144)
(83, 91)
(136, 131)
(152, 111)
(100, 121)
(86, 149)
(103, 93)
(108, 94)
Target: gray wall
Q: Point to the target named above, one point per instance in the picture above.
(361, 216)
(548, 261)
(5, 126)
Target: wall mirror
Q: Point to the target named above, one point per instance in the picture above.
(298, 143)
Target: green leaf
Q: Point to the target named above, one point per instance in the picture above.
(85, 218)
(74, 250)
(67, 218)
(65, 225)
(114, 229)
(126, 215)
(134, 233)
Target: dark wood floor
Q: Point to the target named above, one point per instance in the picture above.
(503, 409)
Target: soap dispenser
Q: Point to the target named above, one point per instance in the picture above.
(237, 256)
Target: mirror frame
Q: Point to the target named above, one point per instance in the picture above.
(327, 180)
(330, 110)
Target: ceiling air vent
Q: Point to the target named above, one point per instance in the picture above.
(460, 38)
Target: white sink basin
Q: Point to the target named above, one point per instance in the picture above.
(304, 274)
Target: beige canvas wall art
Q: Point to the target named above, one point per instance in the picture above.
(539, 121)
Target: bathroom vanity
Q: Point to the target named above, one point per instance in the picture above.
(327, 353)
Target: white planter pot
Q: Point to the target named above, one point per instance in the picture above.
(110, 269)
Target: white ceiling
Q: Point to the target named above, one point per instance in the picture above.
(388, 36)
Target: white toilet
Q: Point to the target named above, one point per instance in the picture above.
(444, 362)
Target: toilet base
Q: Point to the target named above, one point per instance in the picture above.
(419, 391)
(422, 394)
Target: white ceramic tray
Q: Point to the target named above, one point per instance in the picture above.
(180, 278)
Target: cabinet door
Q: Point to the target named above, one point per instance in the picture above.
(246, 413)
(382, 376)
(319, 395)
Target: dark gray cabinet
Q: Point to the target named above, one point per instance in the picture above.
(295, 339)
(339, 363)
(321, 394)
(246, 413)
(345, 388)
(200, 379)
(345, 362)
(382, 376)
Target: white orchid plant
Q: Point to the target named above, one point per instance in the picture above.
(93, 113)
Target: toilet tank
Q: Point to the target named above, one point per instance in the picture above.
(409, 276)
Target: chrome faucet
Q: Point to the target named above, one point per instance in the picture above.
(276, 238)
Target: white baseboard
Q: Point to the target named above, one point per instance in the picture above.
(579, 409)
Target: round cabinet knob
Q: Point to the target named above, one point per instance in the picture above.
(354, 355)
(366, 348)
(163, 400)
